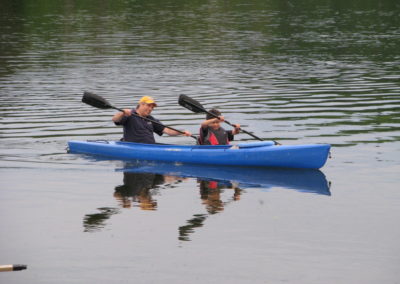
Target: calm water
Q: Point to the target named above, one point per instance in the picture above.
(293, 71)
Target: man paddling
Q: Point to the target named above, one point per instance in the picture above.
(140, 130)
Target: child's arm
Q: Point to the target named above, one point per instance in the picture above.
(208, 122)
(236, 130)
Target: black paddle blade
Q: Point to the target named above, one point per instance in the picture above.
(95, 100)
(190, 104)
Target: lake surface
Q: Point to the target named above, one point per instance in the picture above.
(292, 71)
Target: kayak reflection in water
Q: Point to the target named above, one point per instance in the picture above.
(210, 194)
(137, 191)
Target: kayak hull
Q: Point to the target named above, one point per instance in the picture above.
(262, 154)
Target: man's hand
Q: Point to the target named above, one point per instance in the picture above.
(127, 112)
(119, 115)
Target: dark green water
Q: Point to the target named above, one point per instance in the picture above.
(294, 71)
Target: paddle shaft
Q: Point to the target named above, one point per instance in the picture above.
(100, 102)
(153, 121)
(195, 106)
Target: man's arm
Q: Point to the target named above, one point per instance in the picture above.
(119, 115)
(171, 132)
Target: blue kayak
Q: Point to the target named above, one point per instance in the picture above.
(260, 154)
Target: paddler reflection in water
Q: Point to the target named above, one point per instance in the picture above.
(140, 130)
(138, 188)
(137, 191)
(210, 193)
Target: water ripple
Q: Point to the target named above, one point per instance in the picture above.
(316, 80)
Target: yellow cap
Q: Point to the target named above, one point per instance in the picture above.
(147, 100)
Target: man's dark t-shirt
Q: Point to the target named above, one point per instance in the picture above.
(138, 130)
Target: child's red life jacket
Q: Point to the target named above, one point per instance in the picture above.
(213, 137)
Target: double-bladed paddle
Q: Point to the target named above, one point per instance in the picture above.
(100, 102)
(195, 106)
